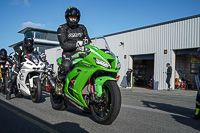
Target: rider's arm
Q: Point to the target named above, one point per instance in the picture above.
(17, 61)
(85, 33)
(10, 61)
(17, 58)
(65, 43)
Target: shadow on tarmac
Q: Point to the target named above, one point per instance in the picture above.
(43, 99)
(79, 112)
(187, 120)
(13, 119)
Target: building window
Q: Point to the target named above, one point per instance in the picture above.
(28, 34)
(40, 35)
(52, 37)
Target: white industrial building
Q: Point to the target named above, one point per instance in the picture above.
(43, 39)
(146, 50)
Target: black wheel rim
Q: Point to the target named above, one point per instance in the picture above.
(103, 109)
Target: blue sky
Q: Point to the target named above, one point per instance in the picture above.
(101, 17)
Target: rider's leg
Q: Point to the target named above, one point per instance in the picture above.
(197, 111)
(62, 71)
(10, 85)
(168, 82)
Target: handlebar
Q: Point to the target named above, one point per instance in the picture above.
(82, 55)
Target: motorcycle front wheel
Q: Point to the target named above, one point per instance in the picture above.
(36, 94)
(107, 110)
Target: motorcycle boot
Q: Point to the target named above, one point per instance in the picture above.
(8, 95)
(9, 89)
(11, 82)
(197, 114)
(59, 86)
(63, 69)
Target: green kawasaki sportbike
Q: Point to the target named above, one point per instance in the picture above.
(91, 85)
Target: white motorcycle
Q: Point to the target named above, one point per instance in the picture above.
(29, 78)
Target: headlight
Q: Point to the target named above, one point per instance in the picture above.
(118, 66)
(102, 63)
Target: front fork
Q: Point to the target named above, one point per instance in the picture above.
(44, 80)
(97, 87)
(48, 77)
(31, 82)
(94, 97)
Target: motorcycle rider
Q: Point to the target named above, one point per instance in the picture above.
(3, 56)
(70, 36)
(18, 58)
(11, 62)
(43, 59)
(197, 110)
(11, 57)
(47, 65)
(3, 60)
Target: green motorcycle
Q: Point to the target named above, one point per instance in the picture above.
(91, 84)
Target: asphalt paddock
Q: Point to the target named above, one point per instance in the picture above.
(142, 110)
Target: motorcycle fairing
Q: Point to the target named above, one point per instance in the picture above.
(28, 67)
(99, 83)
(86, 68)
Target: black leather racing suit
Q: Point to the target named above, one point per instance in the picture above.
(16, 67)
(68, 38)
(18, 58)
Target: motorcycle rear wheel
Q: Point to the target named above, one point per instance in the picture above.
(1, 85)
(57, 102)
(36, 95)
(107, 111)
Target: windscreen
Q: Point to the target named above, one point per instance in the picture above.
(101, 43)
(33, 58)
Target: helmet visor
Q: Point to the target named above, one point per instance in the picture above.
(29, 44)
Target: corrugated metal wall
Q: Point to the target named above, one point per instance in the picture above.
(182, 34)
(52, 55)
